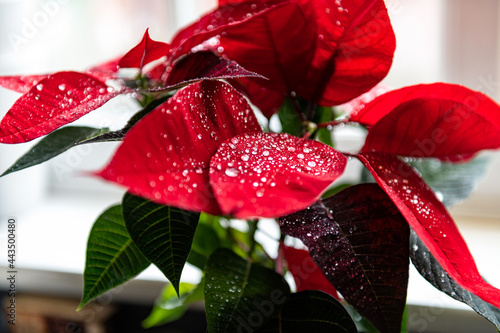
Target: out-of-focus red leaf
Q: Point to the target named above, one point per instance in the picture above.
(271, 175)
(354, 50)
(20, 83)
(437, 120)
(105, 71)
(306, 273)
(266, 43)
(331, 52)
(165, 157)
(361, 243)
(356, 105)
(55, 101)
(204, 65)
(143, 53)
(430, 220)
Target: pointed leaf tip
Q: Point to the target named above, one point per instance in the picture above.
(163, 234)
(143, 53)
(55, 101)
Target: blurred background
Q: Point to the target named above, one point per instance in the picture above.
(455, 41)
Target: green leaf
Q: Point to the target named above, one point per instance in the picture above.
(239, 293)
(204, 243)
(54, 144)
(169, 307)
(112, 257)
(289, 119)
(163, 234)
(310, 311)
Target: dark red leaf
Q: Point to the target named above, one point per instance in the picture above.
(165, 157)
(306, 273)
(271, 175)
(204, 65)
(430, 220)
(105, 71)
(55, 101)
(143, 53)
(361, 243)
(430, 121)
(20, 83)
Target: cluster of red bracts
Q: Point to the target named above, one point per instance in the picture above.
(203, 149)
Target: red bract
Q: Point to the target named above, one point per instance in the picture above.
(166, 158)
(327, 53)
(271, 175)
(430, 121)
(430, 220)
(306, 274)
(55, 101)
(20, 83)
(143, 53)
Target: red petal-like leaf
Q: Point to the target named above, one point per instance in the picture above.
(204, 65)
(306, 273)
(361, 243)
(21, 83)
(266, 42)
(271, 175)
(105, 71)
(55, 101)
(143, 53)
(327, 52)
(165, 157)
(430, 121)
(354, 51)
(430, 220)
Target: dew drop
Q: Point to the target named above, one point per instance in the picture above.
(231, 172)
(39, 87)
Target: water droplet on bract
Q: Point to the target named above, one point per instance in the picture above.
(245, 157)
(300, 156)
(265, 153)
(220, 49)
(231, 172)
(62, 87)
(311, 164)
(39, 87)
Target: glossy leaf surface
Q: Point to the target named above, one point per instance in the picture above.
(172, 146)
(163, 234)
(55, 101)
(112, 256)
(431, 270)
(360, 241)
(430, 220)
(54, 144)
(240, 294)
(310, 311)
(143, 53)
(270, 175)
(306, 273)
(430, 121)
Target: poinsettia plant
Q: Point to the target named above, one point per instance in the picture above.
(195, 158)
